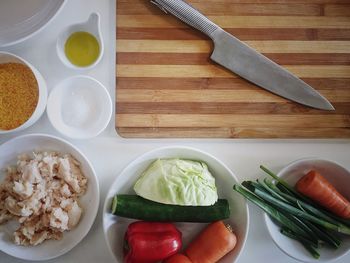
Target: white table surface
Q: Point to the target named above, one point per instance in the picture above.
(110, 153)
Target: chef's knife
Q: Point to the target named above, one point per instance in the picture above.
(238, 57)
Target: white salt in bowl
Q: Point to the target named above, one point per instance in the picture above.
(79, 107)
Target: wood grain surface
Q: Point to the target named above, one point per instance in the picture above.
(168, 87)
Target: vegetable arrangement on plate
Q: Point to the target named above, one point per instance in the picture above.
(313, 213)
(174, 190)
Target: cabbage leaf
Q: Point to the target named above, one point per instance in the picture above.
(177, 182)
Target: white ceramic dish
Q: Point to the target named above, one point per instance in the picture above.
(90, 201)
(79, 107)
(92, 26)
(340, 178)
(114, 227)
(20, 19)
(6, 57)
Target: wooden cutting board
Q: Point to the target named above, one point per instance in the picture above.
(168, 87)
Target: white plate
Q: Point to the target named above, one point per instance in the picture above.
(339, 177)
(114, 227)
(21, 19)
(90, 201)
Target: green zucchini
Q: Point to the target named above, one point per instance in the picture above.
(133, 206)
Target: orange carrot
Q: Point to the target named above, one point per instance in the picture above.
(178, 258)
(316, 187)
(214, 242)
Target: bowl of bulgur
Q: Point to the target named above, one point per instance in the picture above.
(23, 93)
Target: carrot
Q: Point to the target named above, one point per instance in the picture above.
(214, 242)
(178, 258)
(316, 187)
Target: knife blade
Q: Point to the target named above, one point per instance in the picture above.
(241, 59)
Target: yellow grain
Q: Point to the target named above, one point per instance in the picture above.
(18, 95)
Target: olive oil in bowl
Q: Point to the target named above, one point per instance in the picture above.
(80, 46)
(82, 49)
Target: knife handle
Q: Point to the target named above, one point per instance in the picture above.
(187, 14)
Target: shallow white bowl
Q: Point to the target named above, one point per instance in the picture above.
(90, 201)
(339, 177)
(6, 57)
(79, 107)
(21, 20)
(114, 227)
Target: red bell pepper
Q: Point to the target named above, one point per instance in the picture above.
(148, 242)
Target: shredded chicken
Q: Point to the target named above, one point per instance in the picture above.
(42, 193)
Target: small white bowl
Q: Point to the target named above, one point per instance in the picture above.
(339, 177)
(90, 201)
(79, 107)
(114, 227)
(6, 57)
(92, 26)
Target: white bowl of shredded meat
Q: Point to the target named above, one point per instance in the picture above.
(49, 197)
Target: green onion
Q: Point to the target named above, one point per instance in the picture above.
(322, 234)
(274, 213)
(306, 203)
(297, 212)
(308, 246)
(282, 182)
(268, 186)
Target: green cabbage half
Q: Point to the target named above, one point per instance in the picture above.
(178, 182)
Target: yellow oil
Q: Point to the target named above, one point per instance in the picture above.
(82, 49)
